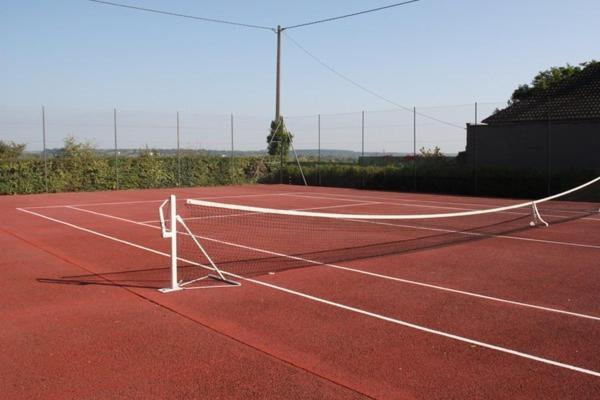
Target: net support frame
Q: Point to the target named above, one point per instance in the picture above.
(298, 163)
(537, 218)
(171, 233)
(219, 274)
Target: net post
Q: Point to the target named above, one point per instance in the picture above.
(171, 234)
(537, 218)
(45, 152)
(173, 217)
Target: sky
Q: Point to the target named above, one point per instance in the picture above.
(76, 54)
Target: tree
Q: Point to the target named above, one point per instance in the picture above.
(548, 79)
(75, 150)
(11, 150)
(436, 152)
(279, 138)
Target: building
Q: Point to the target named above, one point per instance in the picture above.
(555, 131)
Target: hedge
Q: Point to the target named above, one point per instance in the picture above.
(89, 173)
(444, 176)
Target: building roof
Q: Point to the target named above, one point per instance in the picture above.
(576, 98)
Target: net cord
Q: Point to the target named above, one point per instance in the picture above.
(299, 213)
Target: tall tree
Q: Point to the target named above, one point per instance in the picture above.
(279, 138)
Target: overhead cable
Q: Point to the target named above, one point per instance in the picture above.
(151, 10)
(349, 15)
(364, 88)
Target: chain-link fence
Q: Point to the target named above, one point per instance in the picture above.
(438, 149)
(52, 149)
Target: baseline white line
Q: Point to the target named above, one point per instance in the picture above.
(380, 201)
(363, 272)
(151, 201)
(94, 232)
(90, 204)
(394, 199)
(350, 308)
(380, 198)
(489, 235)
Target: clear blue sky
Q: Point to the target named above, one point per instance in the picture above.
(75, 53)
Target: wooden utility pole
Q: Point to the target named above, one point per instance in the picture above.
(278, 77)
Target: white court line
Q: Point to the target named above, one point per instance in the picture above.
(396, 203)
(346, 307)
(152, 201)
(360, 271)
(251, 213)
(395, 198)
(381, 202)
(480, 234)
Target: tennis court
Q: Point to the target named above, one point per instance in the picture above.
(479, 306)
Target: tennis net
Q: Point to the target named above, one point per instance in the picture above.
(232, 240)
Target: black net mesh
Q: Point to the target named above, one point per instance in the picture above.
(250, 243)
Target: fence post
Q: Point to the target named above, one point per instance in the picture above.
(319, 149)
(116, 150)
(362, 150)
(178, 154)
(475, 161)
(415, 149)
(549, 154)
(44, 149)
(232, 149)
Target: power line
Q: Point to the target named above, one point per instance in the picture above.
(350, 15)
(173, 14)
(358, 85)
(220, 21)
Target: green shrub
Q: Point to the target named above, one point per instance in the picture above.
(436, 175)
(79, 167)
(82, 169)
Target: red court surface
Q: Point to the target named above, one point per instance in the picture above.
(509, 314)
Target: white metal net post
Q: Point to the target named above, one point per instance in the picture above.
(170, 233)
(198, 266)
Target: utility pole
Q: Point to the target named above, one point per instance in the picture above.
(278, 77)
(278, 100)
(278, 30)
